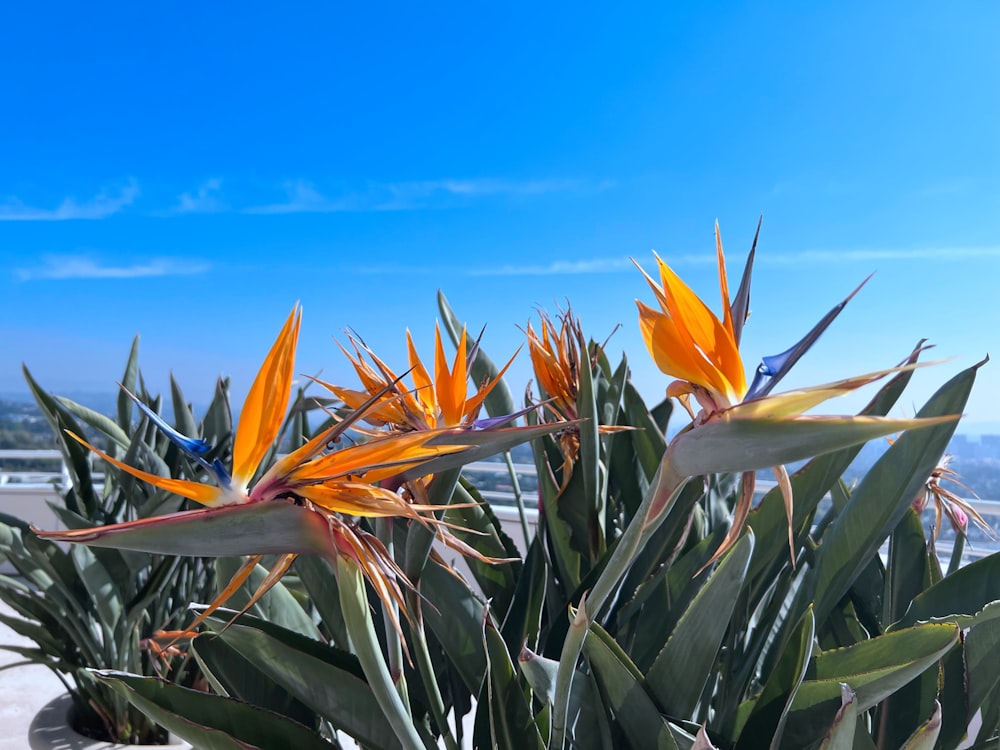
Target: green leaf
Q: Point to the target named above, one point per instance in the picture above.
(233, 675)
(455, 615)
(693, 646)
(622, 687)
(585, 713)
(102, 590)
(128, 382)
(322, 677)
(771, 709)
(874, 669)
(982, 655)
(478, 527)
(511, 721)
(523, 622)
(320, 581)
(278, 605)
(880, 500)
(963, 597)
(210, 722)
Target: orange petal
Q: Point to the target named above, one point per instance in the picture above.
(205, 494)
(264, 408)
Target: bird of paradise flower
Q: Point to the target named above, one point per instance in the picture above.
(305, 502)
(701, 351)
(557, 353)
(439, 402)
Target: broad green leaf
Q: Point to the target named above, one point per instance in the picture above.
(478, 527)
(419, 539)
(692, 649)
(982, 655)
(455, 615)
(907, 565)
(963, 597)
(322, 677)
(882, 497)
(320, 581)
(873, 669)
(102, 590)
(124, 403)
(523, 622)
(647, 440)
(210, 722)
(233, 675)
(622, 686)
(511, 721)
(770, 711)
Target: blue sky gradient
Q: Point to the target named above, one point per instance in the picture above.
(188, 173)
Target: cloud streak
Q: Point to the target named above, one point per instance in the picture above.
(624, 264)
(874, 254)
(205, 200)
(71, 267)
(99, 207)
(303, 197)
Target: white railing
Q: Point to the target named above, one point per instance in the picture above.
(24, 493)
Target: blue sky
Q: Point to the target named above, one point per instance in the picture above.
(188, 173)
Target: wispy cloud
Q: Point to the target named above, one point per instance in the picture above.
(61, 267)
(303, 197)
(876, 254)
(100, 206)
(624, 264)
(205, 200)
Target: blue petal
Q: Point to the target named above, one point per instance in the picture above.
(194, 448)
(492, 422)
(774, 368)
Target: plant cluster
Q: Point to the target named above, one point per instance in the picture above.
(658, 604)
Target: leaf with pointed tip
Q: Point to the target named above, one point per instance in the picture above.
(884, 494)
(210, 722)
(770, 711)
(874, 669)
(693, 646)
(622, 686)
(326, 679)
(966, 597)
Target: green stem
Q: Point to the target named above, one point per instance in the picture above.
(394, 646)
(354, 604)
(664, 489)
(957, 552)
(518, 498)
(426, 669)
